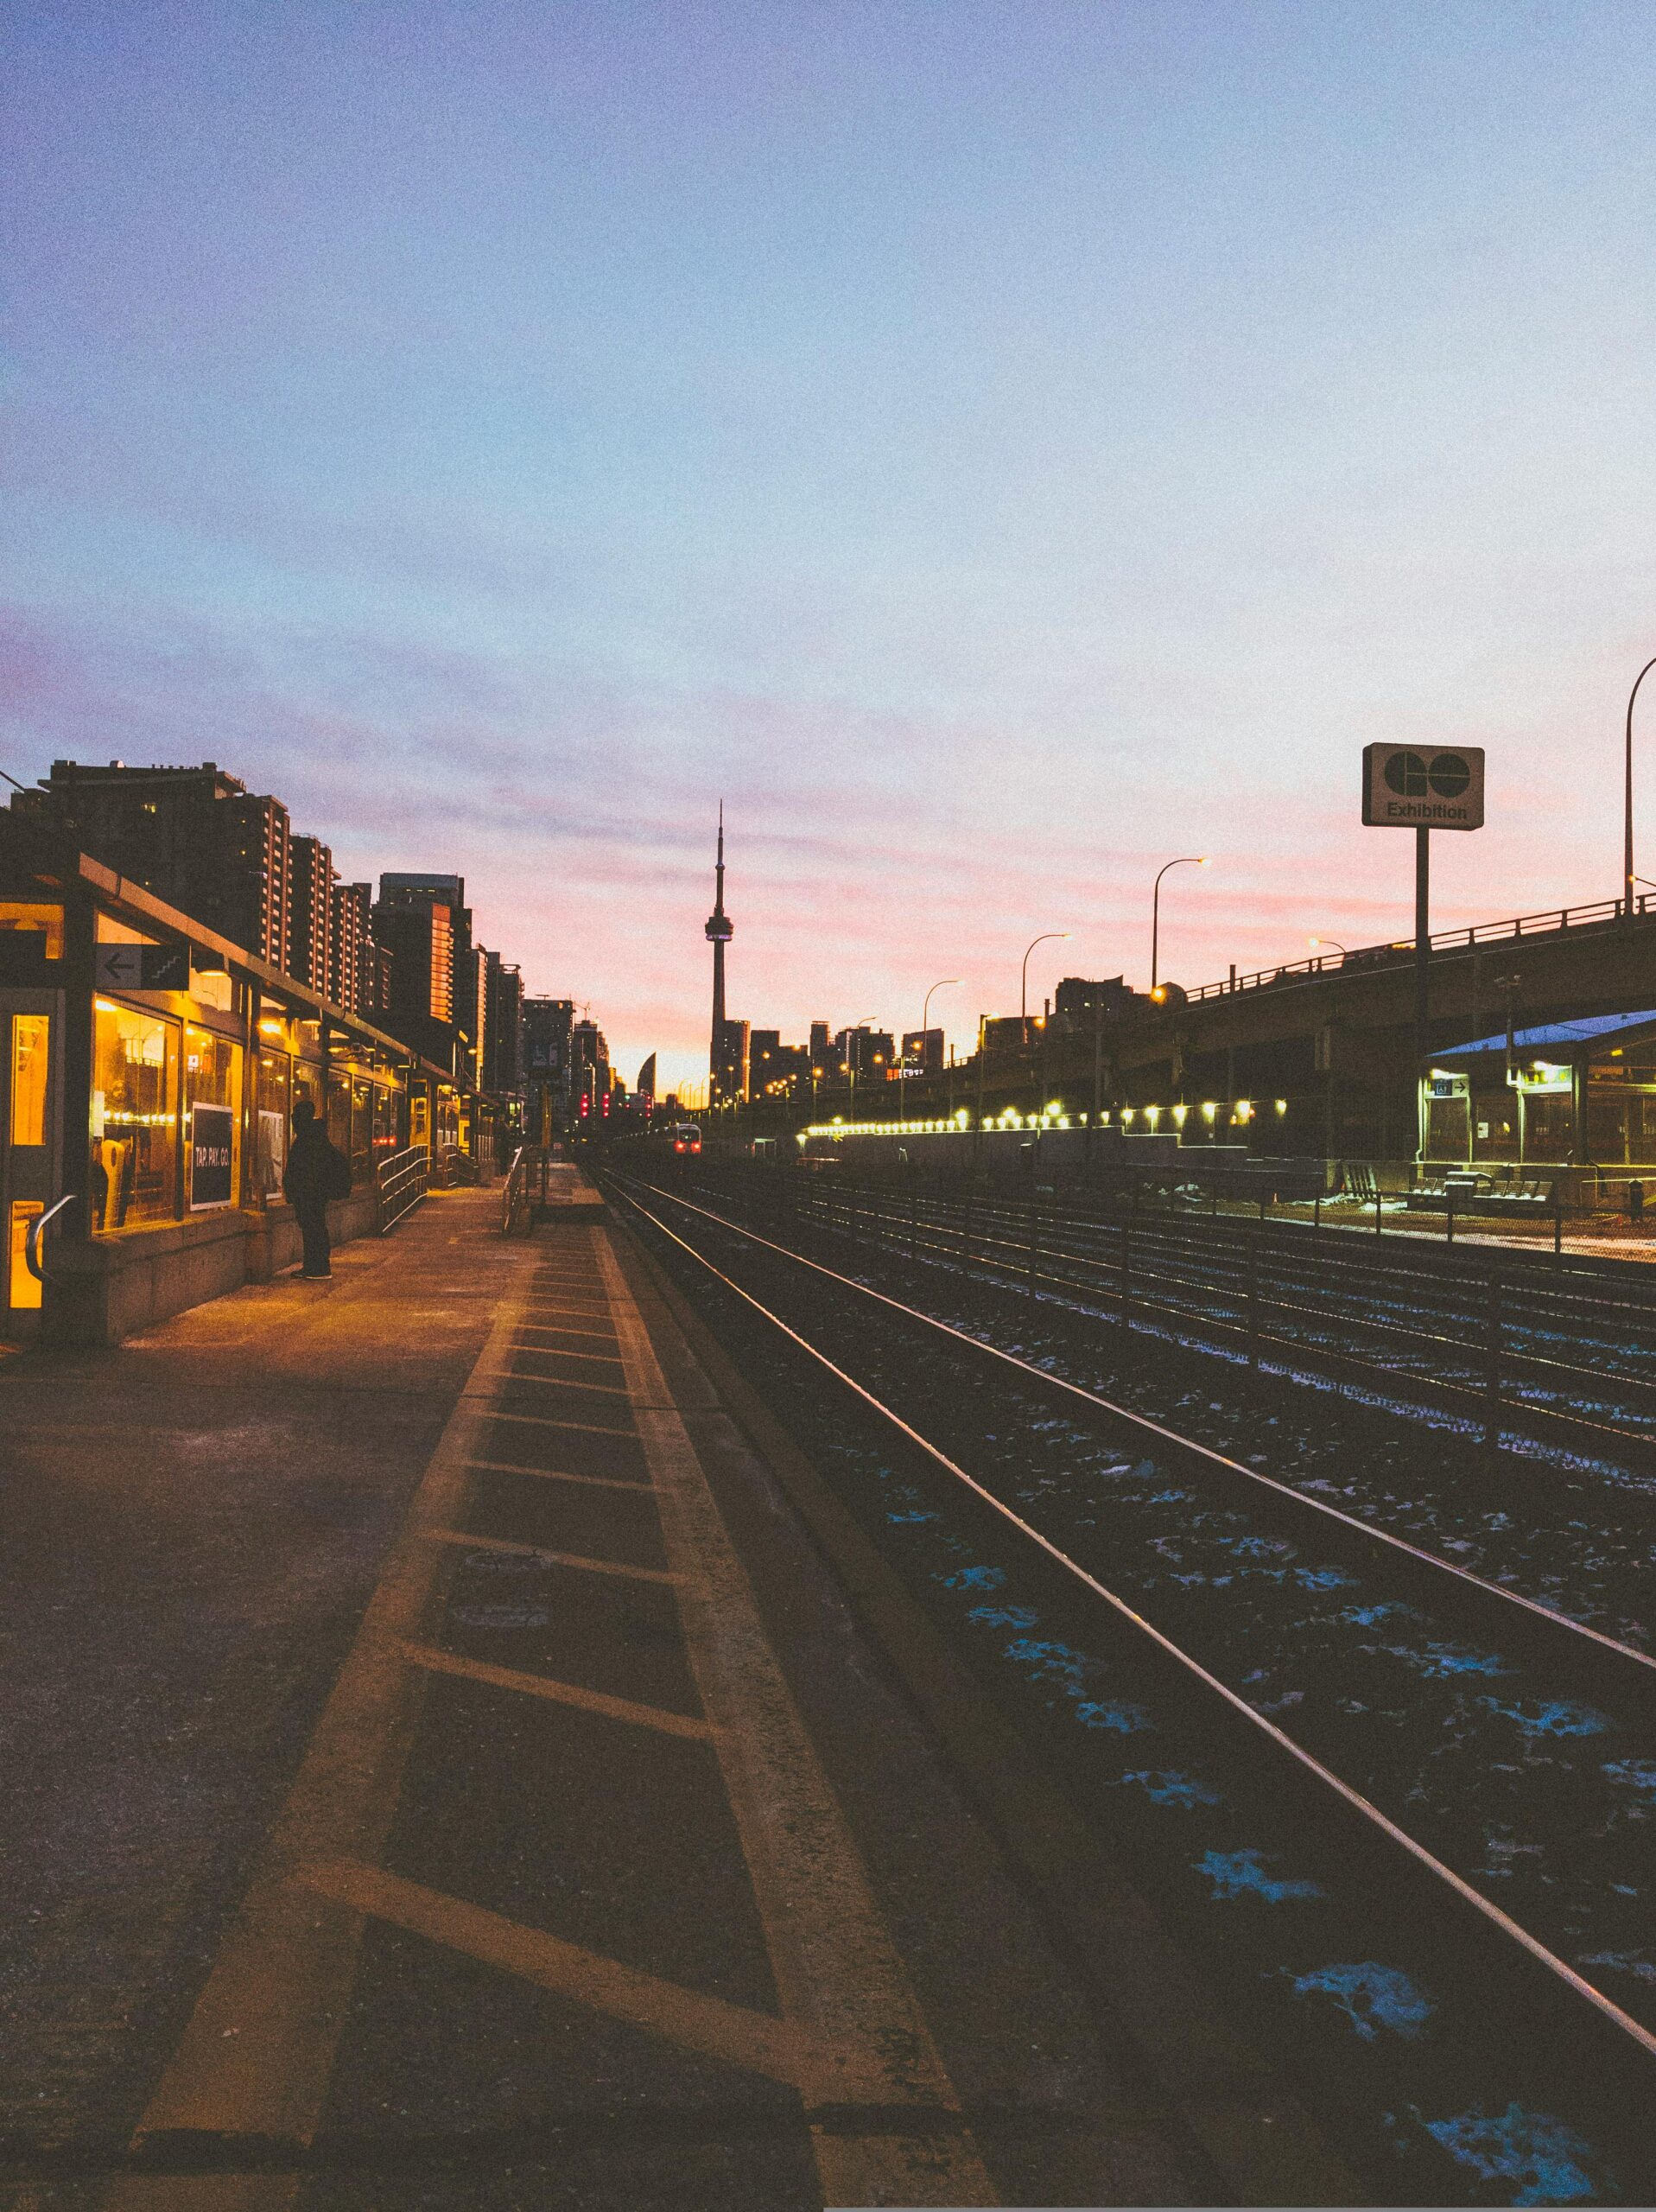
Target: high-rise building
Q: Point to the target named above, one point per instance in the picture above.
(731, 1044)
(311, 908)
(423, 922)
(548, 1027)
(822, 1049)
(196, 837)
(764, 1060)
(503, 1031)
(868, 1053)
(923, 1052)
(350, 978)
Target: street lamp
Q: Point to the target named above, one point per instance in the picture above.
(852, 1056)
(1628, 878)
(1327, 945)
(1047, 937)
(947, 984)
(1186, 860)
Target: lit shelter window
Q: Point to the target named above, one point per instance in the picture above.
(274, 1106)
(34, 915)
(212, 1100)
(31, 1036)
(134, 1117)
(24, 1288)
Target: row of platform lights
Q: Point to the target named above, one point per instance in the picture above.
(1243, 1110)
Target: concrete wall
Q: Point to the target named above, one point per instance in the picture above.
(110, 1288)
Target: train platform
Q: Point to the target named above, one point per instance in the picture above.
(445, 1769)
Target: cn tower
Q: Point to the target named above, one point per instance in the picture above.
(718, 934)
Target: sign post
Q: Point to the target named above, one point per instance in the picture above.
(1423, 788)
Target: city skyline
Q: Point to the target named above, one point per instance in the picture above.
(998, 449)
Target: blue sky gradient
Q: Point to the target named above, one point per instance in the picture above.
(996, 447)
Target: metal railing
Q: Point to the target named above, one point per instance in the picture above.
(35, 1239)
(1554, 921)
(516, 1211)
(403, 1179)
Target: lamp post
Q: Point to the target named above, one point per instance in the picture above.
(853, 1056)
(949, 983)
(1627, 877)
(1185, 860)
(1047, 937)
(1327, 945)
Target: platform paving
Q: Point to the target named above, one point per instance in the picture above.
(443, 1772)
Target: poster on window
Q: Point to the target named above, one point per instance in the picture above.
(212, 1137)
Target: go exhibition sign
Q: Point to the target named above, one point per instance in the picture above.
(1423, 786)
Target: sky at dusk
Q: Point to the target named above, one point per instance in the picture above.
(995, 448)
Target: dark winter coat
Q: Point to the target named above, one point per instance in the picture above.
(316, 1171)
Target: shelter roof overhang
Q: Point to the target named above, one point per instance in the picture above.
(1566, 1042)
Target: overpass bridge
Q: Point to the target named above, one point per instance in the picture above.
(1321, 1052)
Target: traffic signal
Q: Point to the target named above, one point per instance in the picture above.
(604, 1105)
(585, 1104)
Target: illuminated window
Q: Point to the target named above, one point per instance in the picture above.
(24, 1288)
(273, 1105)
(212, 1114)
(30, 1038)
(45, 921)
(134, 1117)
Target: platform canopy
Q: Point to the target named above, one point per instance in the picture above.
(1564, 1041)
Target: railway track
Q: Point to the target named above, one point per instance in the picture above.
(1483, 1759)
(1562, 1350)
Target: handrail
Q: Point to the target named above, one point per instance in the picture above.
(515, 1210)
(403, 1180)
(36, 1236)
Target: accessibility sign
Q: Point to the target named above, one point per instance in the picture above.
(1423, 786)
(143, 968)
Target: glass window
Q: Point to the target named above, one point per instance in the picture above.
(45, 921)
(273, 1103)
(23, 1291)
(134, 1117)
(307, 1084)
(212, 1104)
(1446, 1128)
(362, 1128)
(419, 1118)
(384, 1121)
(30, 1037)
(338, 1112)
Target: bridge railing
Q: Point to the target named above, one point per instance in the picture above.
(1552, 920)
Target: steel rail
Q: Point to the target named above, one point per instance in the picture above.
(1187, 1444)
(1572, 1426)
(1413, 1285)
(1514, 1357)
(1308, 1762)
(1430, 1264)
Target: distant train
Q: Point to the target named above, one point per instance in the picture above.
(687, 1136)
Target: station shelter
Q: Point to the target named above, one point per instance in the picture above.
(148, 1071)
(1570, 1095)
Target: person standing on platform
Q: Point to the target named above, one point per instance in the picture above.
(316, 1171)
